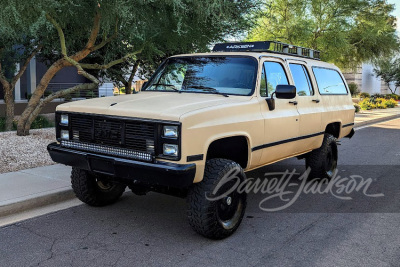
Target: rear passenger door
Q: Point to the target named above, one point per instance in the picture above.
(309, 105)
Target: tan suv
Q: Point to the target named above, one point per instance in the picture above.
(202, 118)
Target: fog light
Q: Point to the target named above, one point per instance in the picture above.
(170, 150)
(64, 134)
(64, 119)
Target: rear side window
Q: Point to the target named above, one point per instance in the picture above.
(329, 82)
(272, 75)
(301, 80)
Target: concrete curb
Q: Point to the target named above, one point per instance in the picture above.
(36, 201)
(382, 119)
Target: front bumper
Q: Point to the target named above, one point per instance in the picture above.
(152, 174)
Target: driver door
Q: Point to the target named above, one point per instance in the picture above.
(281, 126)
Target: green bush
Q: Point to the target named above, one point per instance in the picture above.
(393, 96)
(378, 96)
(47, 93)
(391, 103)
(366, 104)
(76, 94)
(90, 94)
(357, 108)
(353, 89)
(381, 105)
(365, 95)
(3, 124)
(38, 123)
(68, 97)
(41, 122)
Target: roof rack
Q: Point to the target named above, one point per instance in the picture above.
(268, 46)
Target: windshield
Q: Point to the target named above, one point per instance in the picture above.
(222, 75)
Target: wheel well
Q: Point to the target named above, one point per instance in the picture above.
(333, 128)
(234, 148)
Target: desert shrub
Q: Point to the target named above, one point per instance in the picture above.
(381, 105)
(390, 103)
(378, 96)
(365, 95)
(353, 89)
(47, 93)
(357, 108)
(68, 97)
(38, 123)
(41, 122)
(90, 94)
(76, 94)
(366, 104)
(3, 124)
(393, 96)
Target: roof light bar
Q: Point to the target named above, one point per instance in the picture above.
(268, 46)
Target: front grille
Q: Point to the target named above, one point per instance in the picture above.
(107, 133)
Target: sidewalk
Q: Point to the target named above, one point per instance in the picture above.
(365, 117)
(34, 188)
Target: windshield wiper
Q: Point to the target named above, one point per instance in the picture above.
(173, 87)
(208, 89)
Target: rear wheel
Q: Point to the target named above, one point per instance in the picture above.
(323, 161)
(217, 218)
(95, 190)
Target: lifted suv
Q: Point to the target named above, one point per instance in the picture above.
(201, 118)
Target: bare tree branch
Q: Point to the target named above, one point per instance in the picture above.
(112, 63)
(95, 30)
(60, 33)
(107, 40)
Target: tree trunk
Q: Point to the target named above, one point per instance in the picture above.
(128, 86)
(9, 101)
(26, 117)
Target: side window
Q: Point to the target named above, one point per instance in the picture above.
(275, 74)
(263, 83)
(329, 82)
(301, 80)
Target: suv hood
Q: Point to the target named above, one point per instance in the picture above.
(151, 105)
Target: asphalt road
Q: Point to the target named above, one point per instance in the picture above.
(317, 230)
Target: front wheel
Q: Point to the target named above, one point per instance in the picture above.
(93, 190)
(323, 161)
(215, 208)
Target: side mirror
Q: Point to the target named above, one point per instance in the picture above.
(282, 91)
(285, 91)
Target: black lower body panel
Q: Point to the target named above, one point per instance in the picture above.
(152, 174)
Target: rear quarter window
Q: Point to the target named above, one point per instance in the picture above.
(329, 81)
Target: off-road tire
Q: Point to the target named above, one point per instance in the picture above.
(323, 161)
(216, 219)
(87, 189)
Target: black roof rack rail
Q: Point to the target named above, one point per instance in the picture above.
(268, 46)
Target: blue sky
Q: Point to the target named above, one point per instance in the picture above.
(396, 12)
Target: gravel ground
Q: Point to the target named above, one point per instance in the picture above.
(25, 152)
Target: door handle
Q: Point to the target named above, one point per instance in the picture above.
(316, 100)
(293, 102)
